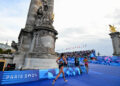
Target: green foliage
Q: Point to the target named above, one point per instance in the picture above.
(8, 51)
(1, 50)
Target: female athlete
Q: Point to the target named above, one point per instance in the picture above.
(60, 61)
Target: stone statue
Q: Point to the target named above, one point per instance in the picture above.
(45, 5)
(112, 29)
(43, 17)
(40, 12)
(14, 45)
(39, 16)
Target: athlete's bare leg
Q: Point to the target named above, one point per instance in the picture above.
(86, 68)
(60, 71)
(64, 75)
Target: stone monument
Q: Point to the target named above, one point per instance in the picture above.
(115, 40)
(36, 42)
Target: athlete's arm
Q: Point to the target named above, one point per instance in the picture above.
(65, 60)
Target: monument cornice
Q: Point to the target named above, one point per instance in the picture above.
(115, 33)
(23, 31)
(38, 28)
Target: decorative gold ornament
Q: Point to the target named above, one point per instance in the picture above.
(112, 28)
(40, 3)
(53, 16)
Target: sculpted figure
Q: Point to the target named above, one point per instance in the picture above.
(39, 17)
(40, 12)
(14, 45)
(43, 15)
(45, 5)
(112, 29)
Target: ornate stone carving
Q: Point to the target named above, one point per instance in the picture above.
(43, 17)
(14, 45)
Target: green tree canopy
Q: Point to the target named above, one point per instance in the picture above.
(1, 50)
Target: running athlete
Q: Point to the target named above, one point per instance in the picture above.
(77, 63)
(60, 61)
(86, 63)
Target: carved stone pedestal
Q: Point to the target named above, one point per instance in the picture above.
(42, 54)
(116, 43)
(37, 63)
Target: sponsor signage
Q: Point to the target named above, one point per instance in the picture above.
(11, 77)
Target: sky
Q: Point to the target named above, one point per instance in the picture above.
(81, 23)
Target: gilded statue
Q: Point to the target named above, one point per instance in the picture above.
(112, 28)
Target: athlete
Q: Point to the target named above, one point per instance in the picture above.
(86, 63)
(60, 61)
(77, 63)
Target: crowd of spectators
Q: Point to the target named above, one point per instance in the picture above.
(78, 56)
(86, 53)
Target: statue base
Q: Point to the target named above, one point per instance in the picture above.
(116, 43)
(38, 47)
(37, 63)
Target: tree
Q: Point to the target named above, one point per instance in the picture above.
(8, 51)
(1, 51)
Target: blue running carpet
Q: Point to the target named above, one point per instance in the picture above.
(99, 75)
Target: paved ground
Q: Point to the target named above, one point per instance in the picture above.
(99, 75)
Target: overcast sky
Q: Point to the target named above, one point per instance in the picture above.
(78, 22)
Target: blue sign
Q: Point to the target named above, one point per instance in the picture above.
(48, 73)
(92, 55)
(11, 77)
(107, 60)
(1, 74)
(52, 73)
